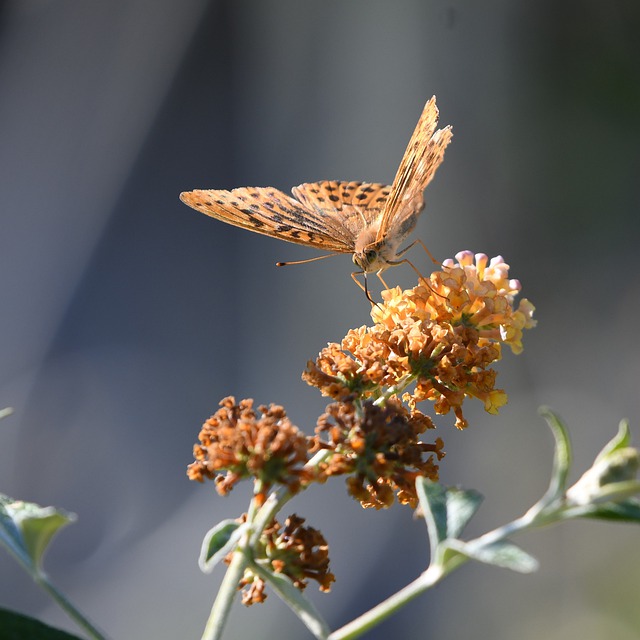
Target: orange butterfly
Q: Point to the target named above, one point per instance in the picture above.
(369, 220)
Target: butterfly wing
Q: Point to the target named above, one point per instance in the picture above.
(270, 212)
(422, 157)
(345, 207)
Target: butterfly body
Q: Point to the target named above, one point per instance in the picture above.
(368, 220)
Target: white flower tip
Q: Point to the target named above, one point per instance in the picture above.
(465, 257)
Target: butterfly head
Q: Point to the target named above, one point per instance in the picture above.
(370, 258)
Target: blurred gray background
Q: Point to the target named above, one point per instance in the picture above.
(127, 316)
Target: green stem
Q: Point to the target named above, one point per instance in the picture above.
(41, 578)
(225, 598)
(435, 573)
(259, 519)
(388, 607)
(396, 389)
(68, 607)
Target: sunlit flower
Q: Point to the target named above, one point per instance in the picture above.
(237, 442)
(379, 448)
(442, 336)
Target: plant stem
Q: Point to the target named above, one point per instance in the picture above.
(226, 595)
(432, 576)
(388, 607)
(68, 607)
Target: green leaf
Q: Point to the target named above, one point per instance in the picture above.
(500, 554)
(218, 542)
(610, 479)
(623, 511)
(561, 458)
(446, 511)
(15, 626)
(295, 600)
(622, 440)
(27, 529)
(433, 502)
(462, 505)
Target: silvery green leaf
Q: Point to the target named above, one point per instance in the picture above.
(295, 599)
(500, 554)
(218, 542)
(446, 511)
(561, 458)
(27, 529)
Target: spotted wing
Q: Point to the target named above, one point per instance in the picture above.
(422, 157)
(270, 212)
(346, 207)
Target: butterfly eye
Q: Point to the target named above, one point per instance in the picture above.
(371, 255)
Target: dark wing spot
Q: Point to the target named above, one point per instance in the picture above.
(368, 190)
(333, 198)
(314, 190)
(361, 196)
(380, 199)
(254, 221)
(385, 192)
(295, 234)
(220, 201)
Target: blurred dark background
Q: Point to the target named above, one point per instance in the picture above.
(127, 316)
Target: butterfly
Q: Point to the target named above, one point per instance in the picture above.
(367, 219)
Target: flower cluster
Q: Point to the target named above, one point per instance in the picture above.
(434, 342)
(379, 449)
(301, 553)
(442, 335)
(237, 442)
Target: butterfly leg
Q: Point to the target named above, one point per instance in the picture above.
(421, 278)
(379, 274)
(424, 246)
(395, 263)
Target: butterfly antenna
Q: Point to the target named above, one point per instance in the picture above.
(287, 264)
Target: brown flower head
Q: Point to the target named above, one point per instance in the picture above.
(238, 442)
(442, 336)
(379, 448)
(301, 553)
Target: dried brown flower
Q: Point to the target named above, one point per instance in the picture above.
(379, 448)
(237, 442)
(300, 553)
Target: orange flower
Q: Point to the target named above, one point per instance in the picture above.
(442, 336)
